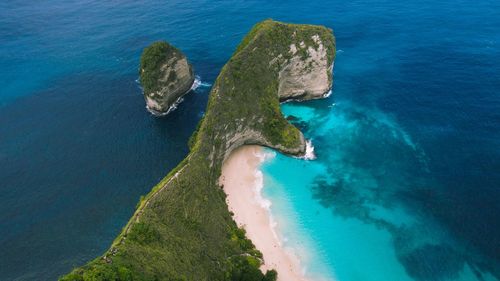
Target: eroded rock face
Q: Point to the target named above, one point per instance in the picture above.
(308, 74)
(165, 75)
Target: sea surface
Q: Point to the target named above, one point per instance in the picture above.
(406, 183)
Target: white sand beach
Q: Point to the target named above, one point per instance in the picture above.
(242, 182)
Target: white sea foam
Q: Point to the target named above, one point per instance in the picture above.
(138, 83)
(197, 83)
(327, 94)
(259, 180)
(258, 185)
(170, 109)
(298, 247)
(309, 155)
(265, 203)
(292, 252)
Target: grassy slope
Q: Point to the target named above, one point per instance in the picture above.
(182, 230)
(151, 59)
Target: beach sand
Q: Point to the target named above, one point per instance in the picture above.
(242, 183)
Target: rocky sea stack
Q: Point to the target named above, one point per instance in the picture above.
(165, 75)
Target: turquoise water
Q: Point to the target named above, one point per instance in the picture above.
(406, 179)
(332, 210)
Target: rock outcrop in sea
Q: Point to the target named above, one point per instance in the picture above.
(165, 75)
(308, 73)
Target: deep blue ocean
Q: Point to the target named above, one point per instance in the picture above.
(406, 184)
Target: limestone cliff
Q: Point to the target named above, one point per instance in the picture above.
(165, 75)
(182, 230)
(308, 73)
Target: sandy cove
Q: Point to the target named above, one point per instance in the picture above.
(242, 182)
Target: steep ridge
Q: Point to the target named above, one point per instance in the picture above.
(182, 230)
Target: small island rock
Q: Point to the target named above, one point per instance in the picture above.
(165, 75)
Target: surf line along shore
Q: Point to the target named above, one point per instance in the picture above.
(242, 181)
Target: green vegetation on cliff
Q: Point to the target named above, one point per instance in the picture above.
(166, 75)
(152, 58)
(182, 229)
